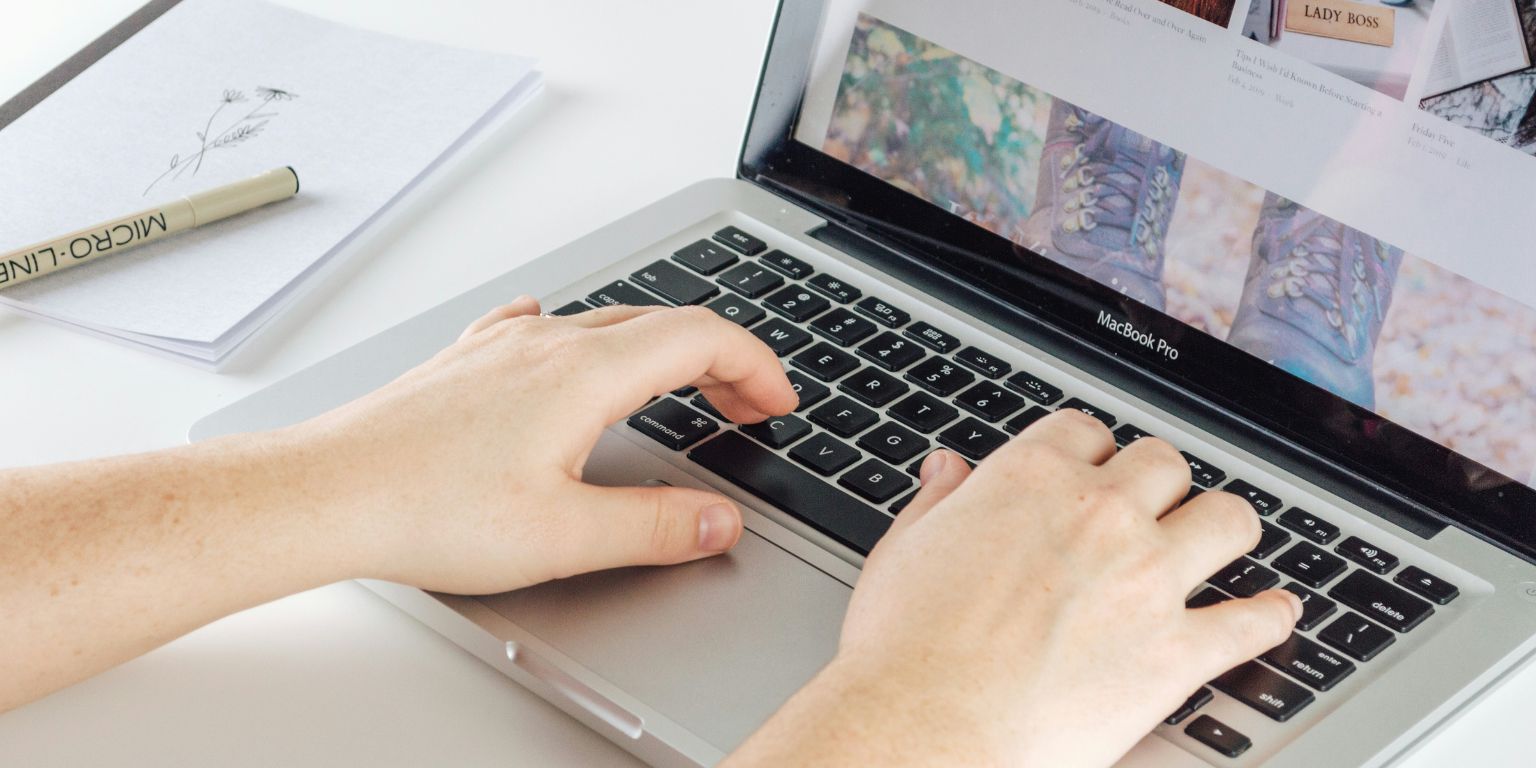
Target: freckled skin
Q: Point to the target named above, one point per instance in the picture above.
(1071, 573)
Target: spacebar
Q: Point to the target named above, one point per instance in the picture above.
(793, 490)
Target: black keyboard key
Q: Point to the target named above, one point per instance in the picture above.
(898, 505)
(1092, 410)
(1218, 736)
(1309, 565)
(1357, 638)
(1206, 598)
(844, 327)
(972, 439)
(844, 417)
(1195, 701)
(573, 308)
(1314, 607)
(777, 431)
(1378, 599)
(1125, 434)
(810, 390)
(876, 481)
(1204, 475)
(1244, 578)
(781, 337)
(750, 280)
(1264, 689)
(825, 454)
(984, 363)
(893, 442)
(741, 241)
(704, 257)
(1426, 585)
(1309, 525)
(685, 391)
(1270, 542)
(619, 293)
(796, 303)
(932, 338)
(789, 265)
(886, 314)
(1319, 667)
(989, 401)
(737, 310)
(794, 490)
(673, 424)
(1367, 554)
(940, 376)
(923, 412)
(1265, 504)
(702, 403)
(673, 283)
(1033, 387)
(834, 288)
(873, 388)
(825, 362)
(890, 351)
(1022, 421)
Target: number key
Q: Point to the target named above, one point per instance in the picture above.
(989, 401)
(890, 351)
(940, 376)
(796, 303)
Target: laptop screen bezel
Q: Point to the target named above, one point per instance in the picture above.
(1461, 491)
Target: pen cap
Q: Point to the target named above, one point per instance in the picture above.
(270, 187)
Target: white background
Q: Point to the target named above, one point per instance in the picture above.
(643, 98)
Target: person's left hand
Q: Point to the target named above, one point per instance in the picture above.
(465, 474)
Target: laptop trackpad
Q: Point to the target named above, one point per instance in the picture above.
(715, 645)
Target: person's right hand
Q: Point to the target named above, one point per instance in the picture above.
(1033, 612)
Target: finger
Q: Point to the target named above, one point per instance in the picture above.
(662, 525)
(1153, 472)
(942, 472)
(661, 351)
(1073, 432)
(1229, 633)
(1209, 532)
(606, 316)
(518, 307)
(731, 405)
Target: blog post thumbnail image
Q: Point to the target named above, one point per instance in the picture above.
(1481, 77)
(1376, 43)
(1340, 308)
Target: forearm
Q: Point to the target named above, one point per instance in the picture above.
(103, 560)
(855, 714)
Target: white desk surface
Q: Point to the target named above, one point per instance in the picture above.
(643, 98)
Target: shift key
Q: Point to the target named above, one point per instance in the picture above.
(1264, 689)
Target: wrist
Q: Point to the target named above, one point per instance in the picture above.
(303, 516)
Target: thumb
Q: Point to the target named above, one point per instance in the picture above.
(942, 472)
(657, 525)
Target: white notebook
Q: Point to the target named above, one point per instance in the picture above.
(212, 92)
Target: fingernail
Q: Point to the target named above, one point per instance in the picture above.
(718, 527)
(932, 466)
(1296, 607)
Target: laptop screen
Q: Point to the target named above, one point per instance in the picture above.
(1339, 188)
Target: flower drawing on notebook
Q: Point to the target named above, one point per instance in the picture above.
(233, 134)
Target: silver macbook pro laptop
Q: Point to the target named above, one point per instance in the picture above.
(1297, 247)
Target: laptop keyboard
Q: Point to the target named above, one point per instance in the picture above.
(878, 392)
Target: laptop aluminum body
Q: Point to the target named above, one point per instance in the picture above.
(679, 665)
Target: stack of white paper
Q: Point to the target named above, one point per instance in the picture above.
(216, 91)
